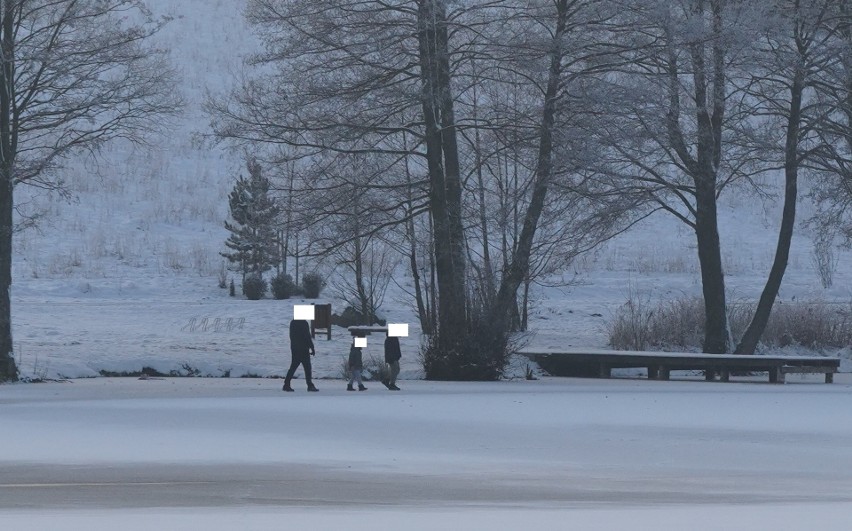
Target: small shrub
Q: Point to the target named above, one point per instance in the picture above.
(824, 259)
(345, 372)
(231, 290)
(312, 285)
(678, 324)
(813, 324)
(375, 369)
(630, 327)
(283, 287)
(352, 317)
(254, 287)
(186, 370)
(479, 356)
(145, 372)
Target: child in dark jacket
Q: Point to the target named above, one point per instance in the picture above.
(356, 364)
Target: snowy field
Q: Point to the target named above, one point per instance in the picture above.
(556, 453)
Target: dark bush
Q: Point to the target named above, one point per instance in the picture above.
(254, 288)
(312, 285)
(283, 287)
(480, 356)
(352, 317)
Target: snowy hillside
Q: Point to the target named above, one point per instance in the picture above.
(125, 275)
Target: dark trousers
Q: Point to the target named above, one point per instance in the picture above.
(305, 361)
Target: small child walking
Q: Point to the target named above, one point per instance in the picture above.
(356, 364)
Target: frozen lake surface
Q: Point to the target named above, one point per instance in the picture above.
(563, 453)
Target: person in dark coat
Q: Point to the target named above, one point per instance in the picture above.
(301, 349)
(392, 357)
(356, 365)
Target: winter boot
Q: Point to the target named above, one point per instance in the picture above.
(287, 388)
(393, 387)
(361, 387)
(350, 388)
(386, 383)
(312, 388)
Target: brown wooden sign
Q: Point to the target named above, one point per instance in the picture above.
(322, 319)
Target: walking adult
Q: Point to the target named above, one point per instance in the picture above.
(301, 350)
(392, 357)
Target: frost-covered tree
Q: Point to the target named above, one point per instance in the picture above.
(799, 54)
(672, 118)
(254, 213)
(74, 75)
(832, 161)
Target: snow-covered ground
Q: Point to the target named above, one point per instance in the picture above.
(557, 453)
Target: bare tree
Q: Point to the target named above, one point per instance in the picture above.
(547, 58)
(795, 53)
(832, 161)
(73, 75)
(673, 116)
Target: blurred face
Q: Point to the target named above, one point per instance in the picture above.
(303, 312)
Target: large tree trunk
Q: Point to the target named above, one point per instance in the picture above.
(444, 176)
(755, 329)
(709, 117)
(8, 148)
(712, 275)
(8, 369)
(518, 268)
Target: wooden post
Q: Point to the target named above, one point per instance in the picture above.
(776, 375)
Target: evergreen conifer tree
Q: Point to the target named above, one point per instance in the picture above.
(254, 214)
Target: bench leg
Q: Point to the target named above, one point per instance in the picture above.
(663, 373)
(725, 375)
(652, 373)
(776, 375)
(709, 375)
(829, 377)
(604, 371)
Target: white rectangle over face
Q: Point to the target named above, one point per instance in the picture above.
(397, 329)
(303, 312)
(360, 342)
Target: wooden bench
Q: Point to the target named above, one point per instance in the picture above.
(361, 331)
(595, 362)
